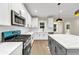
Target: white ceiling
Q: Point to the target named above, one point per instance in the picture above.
(52, 9)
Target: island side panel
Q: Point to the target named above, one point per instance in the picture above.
(55, 47)
(51, 45)
(73, 52)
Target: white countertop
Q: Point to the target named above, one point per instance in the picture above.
(7, 47)
(66, 40)
(28, 33)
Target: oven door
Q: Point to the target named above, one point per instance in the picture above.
(27, 49)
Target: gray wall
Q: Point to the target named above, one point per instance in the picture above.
(74, 24)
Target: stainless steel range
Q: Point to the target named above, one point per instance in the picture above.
(15, 36)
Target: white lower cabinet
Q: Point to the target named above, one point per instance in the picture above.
(35, 35)
(40, 36)
(43, 36)
(17, 51)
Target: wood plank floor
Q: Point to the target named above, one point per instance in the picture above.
(40, 47)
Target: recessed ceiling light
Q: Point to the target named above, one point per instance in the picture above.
(60, 11)
(36, 11)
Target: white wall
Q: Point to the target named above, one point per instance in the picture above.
(74, 25)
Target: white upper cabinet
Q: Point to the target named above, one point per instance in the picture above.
(50, 24)
(28, 20)
(14, 6)
(4, 14)
(35, 22)
(19, 8)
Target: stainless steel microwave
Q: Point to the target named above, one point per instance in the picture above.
(17, 19)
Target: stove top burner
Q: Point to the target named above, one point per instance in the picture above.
(14, 36)
(21, 38)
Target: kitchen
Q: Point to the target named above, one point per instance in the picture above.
(39, 29)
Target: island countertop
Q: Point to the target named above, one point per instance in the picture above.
(6, 48)
(66, 40)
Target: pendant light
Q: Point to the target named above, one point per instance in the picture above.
(76, 13)
(59, 19)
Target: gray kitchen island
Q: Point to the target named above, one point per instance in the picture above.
(63, 44)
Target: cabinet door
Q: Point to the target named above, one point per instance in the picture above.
(43, 36)
(53, 47)
(14, 6)
(28, 20)
(50, 24)
(51, 44)
(36, 36)
(59, 50)
(35, 22)
(4, 14)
